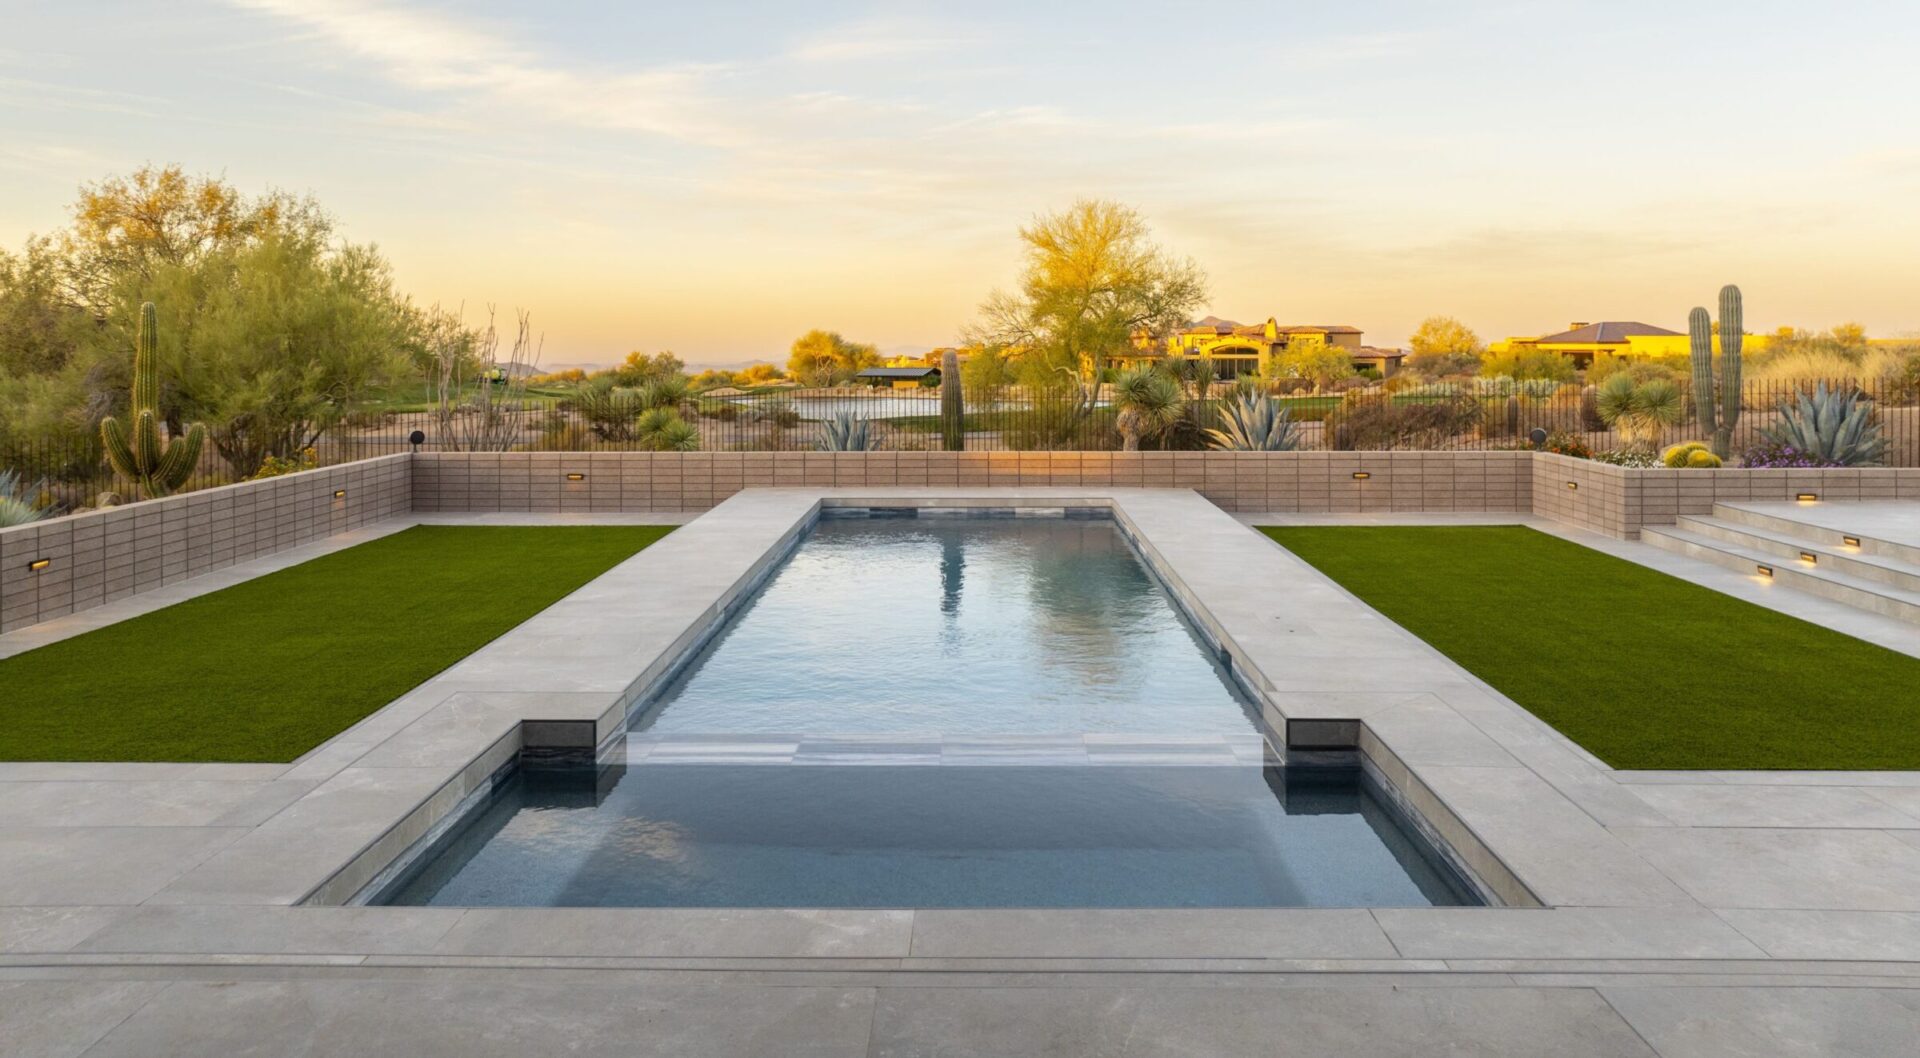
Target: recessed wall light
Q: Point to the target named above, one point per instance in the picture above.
(1764, 570)
(39, 564)
(339, 494)
(1850, 541)
(576, 477)
(1806, 497)
(1573, 484)
(1361, 475)
(1809, 557)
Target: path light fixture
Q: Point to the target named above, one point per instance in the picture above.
(1809, 558)
(1850, 541)
(1538, 436)
(1764, 570)
(417, 438)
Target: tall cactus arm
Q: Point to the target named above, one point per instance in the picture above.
(1700, 336)
(148, 444)
(1731, 324)
(183, 455)
(146, 361)
(113, 438)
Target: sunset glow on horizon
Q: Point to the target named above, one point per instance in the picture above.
(718, 179)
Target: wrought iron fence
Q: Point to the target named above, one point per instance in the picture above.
(1478, 415)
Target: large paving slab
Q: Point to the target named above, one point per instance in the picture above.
(191, 878)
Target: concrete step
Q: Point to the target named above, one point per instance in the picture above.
(1868, 595)
(1841, 558)
(1829, 531)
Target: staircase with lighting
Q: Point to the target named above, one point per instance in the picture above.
(1866, 555)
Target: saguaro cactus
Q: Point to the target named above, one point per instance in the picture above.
(953, 403)
(1717, 423)
(155, 464)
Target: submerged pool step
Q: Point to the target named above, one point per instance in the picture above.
(896, 749)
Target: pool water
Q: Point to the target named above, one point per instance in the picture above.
(940, 712)
(958, 626)
(754, 835)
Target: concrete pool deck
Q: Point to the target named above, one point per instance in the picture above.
(158, 908)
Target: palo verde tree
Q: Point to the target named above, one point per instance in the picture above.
(1093, 280)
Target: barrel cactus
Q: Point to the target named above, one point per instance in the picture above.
(1718, 421)
(953, 403)
(1690, 454)
(155, 464)
(1833, 427)
(842, 432)
(1255, 423)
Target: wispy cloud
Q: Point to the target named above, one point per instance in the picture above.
(437, 53)
(883, 38)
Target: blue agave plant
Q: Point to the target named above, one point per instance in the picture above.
(1833, 427)
(16, 503)
(1255, 423)
(842, 432)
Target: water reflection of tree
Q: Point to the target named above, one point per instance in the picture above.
(1085, 596)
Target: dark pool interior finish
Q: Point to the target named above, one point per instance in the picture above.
(691, 835)
(940, 712)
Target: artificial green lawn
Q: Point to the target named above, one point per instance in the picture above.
(1643, 669)
(270, 668)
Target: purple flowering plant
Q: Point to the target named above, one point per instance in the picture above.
(1777, 455)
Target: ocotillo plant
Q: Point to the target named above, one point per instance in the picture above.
(953, 403)
(1700, 329)
(155, 465)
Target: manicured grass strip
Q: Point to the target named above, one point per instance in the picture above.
(268, 669)
(1643, 669)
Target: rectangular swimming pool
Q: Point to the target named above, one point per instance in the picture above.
(940, 712)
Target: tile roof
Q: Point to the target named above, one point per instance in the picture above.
(1607, 332)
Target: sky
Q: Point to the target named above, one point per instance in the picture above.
(717, 178)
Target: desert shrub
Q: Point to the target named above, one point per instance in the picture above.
(1376, 421)
(718, 410)
(1805, 368)
(1626, 457)
(562, 435)
(275, 466)
(1563, 443)
(1528, 364)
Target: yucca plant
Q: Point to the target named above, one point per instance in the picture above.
(1638, 411)
(843, 432)
(1148, 402)
(663, 430)
(17, 504)
(1254, 423)
(1833, 427)
(155, 464)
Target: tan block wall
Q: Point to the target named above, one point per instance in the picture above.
(1237, 481)
(105, 555)
(1618, 502)
(100, 556)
